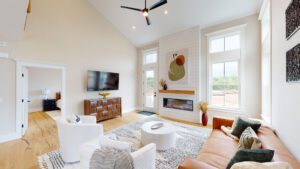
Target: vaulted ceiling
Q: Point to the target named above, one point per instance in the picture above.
(182, 14)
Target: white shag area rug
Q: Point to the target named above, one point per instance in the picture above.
(188, 144)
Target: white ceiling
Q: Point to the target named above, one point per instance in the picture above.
(182, 14)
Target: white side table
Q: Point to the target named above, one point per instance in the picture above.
(164, 137)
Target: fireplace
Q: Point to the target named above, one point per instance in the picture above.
(180, 104)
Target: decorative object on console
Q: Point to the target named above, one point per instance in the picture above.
(104, 94)
(103, 109)
(292, 16)
(293, 64)
(178, 66)
(46, 93)
(163, 84)
(204, 107)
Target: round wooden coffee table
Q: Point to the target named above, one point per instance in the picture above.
(163, 137)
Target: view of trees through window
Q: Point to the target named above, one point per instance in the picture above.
(225, 84)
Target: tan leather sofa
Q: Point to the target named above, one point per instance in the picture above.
(219, 148)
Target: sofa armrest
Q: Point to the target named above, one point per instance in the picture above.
(144, 158)
(195, 164)
(221, 121)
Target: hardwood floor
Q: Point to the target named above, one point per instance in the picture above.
(41, 137)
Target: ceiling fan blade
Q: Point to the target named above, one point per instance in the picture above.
(135, 9)
(158, 4)
(148, 20)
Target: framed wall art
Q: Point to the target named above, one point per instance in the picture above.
(292, 15)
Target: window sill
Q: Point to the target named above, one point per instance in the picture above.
(225, 110)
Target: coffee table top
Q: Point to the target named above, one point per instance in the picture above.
(166, 129)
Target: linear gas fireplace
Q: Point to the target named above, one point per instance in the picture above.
(180, 104)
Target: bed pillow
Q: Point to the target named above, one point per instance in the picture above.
(256, 155)
(242, 123)
(249, 139)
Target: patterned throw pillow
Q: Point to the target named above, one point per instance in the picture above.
(249, 139)
(242, 123)
(256, 155)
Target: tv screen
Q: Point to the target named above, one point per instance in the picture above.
(101, 81)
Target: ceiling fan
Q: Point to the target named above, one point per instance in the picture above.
(146, 10)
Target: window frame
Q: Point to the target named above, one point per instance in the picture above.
(148, 51)
(223, 57)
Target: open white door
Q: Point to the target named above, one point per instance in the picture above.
(25, 100)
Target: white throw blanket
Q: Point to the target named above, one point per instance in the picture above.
(269, 165)
(111, 158)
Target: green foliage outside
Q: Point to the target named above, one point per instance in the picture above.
(226, 83)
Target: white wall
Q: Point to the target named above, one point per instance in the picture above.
(285, 96)
(188, 39)
(252, 68)
(7, 97)
(73, 34)
(39, 79)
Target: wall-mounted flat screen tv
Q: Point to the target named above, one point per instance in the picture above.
(102, 81)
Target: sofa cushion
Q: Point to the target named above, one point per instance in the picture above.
(270, 141)
(242, 123)
(249, 139)
(218, 149)
(257, 155)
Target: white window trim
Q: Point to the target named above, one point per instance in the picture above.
(149, 51)
(221, 33)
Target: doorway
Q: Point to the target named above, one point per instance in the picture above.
(150, 81)
(41, 91)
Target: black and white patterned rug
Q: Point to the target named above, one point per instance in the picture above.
(190, 140)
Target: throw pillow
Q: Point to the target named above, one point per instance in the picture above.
(256, 155)
(269, 165)
(242, 123)
(228, 131)
(249, 139)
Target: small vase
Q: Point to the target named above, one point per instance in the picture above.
(165, 87)
(204, 119)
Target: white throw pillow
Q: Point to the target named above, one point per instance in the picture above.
(268, 165)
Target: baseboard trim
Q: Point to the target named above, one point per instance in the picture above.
(124, 111)
(9, 137)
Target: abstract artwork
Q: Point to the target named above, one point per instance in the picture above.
(293, 64)
(292, 15)
(178, 66)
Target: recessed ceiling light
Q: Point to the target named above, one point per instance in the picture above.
(166, 12)
(133, 27)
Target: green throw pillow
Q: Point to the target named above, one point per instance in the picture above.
(242, 123)
(256, 155)
(249, 139)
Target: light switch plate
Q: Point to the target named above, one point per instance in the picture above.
(1, 100)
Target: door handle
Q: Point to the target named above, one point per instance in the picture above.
(28, 101)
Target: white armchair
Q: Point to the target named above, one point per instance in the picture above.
(72, 135)
(143, 158)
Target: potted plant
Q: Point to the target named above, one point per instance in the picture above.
(163, 84)
(203, 106)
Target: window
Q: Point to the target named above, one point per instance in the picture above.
(225, 84)
(150, 57)
(224, 71)
(227, 43)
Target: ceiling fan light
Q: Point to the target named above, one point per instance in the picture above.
(145, 13)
